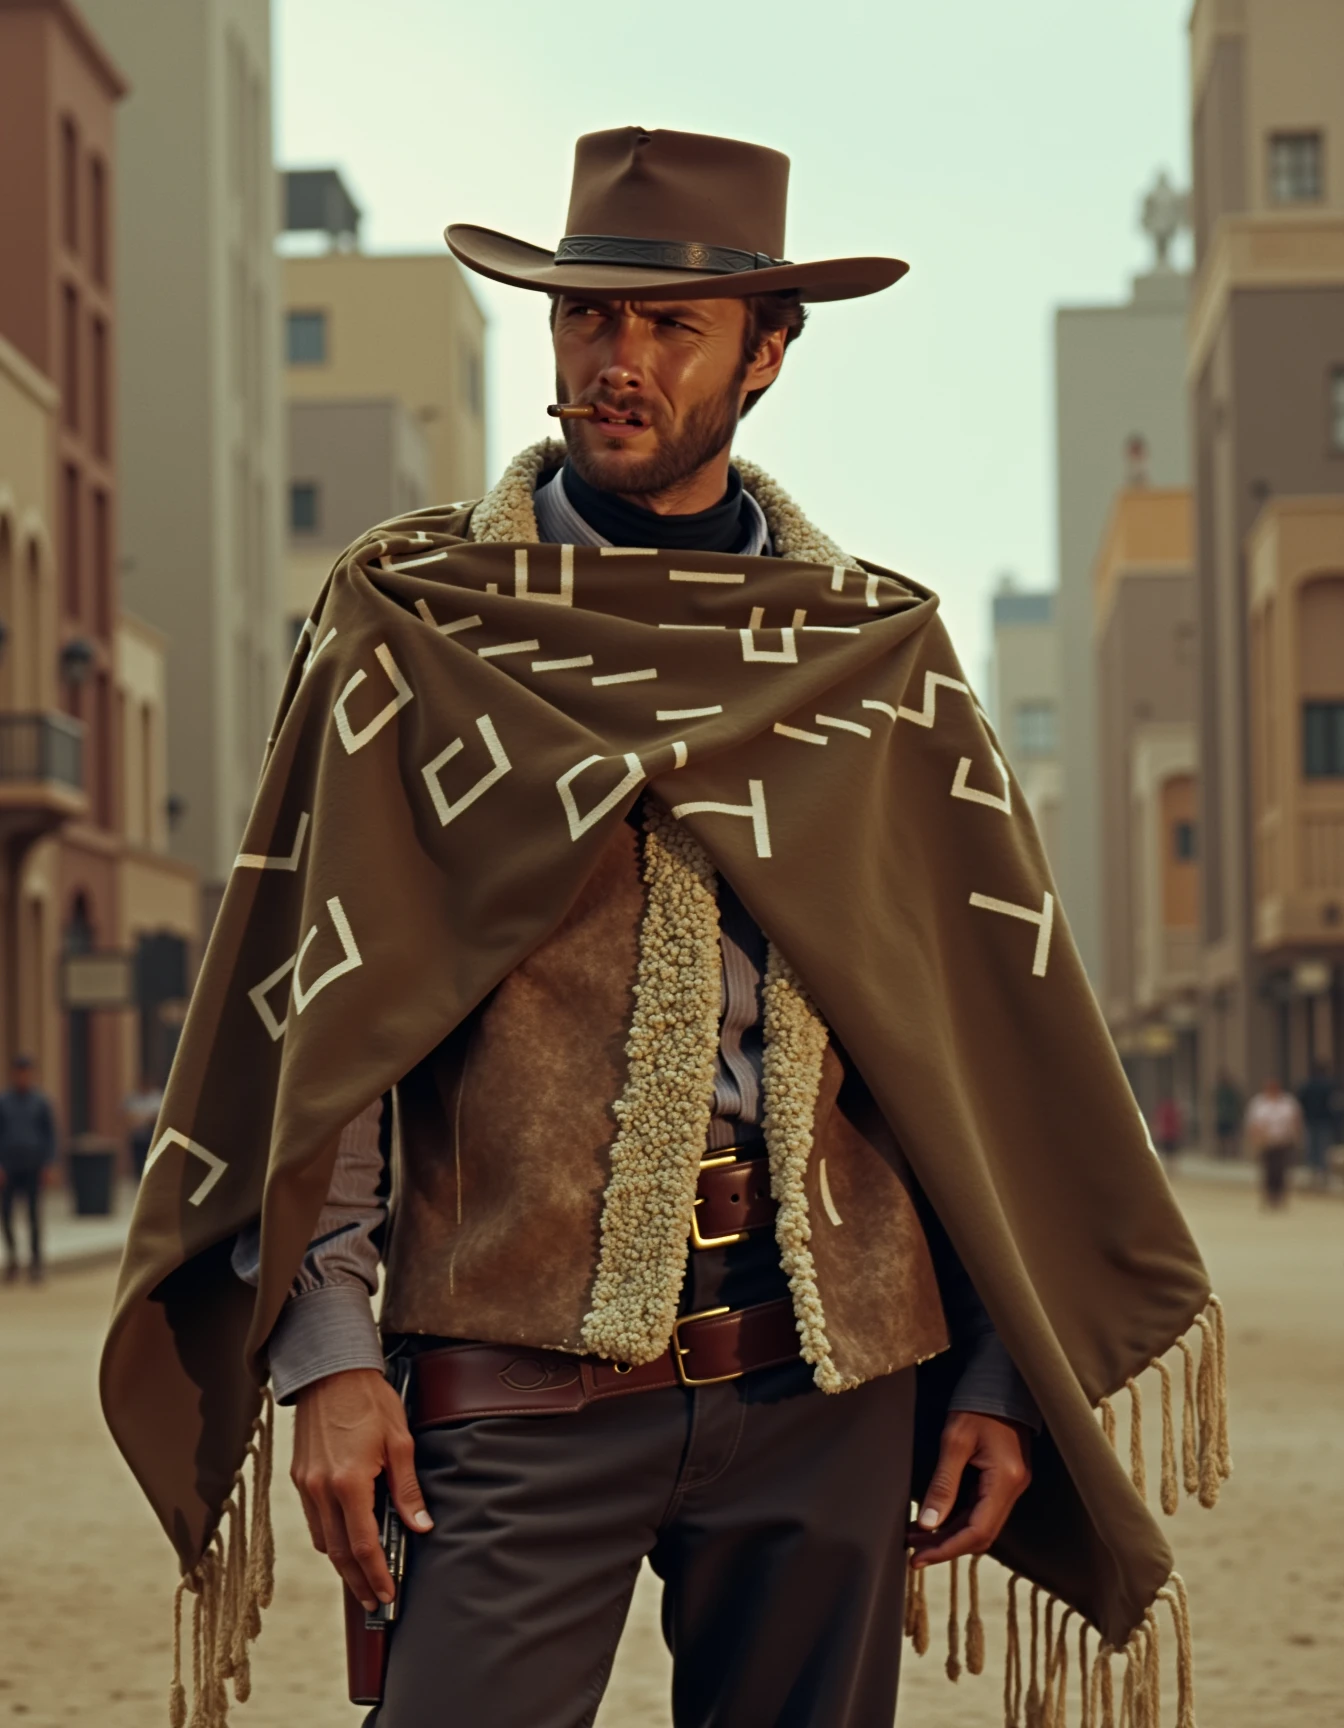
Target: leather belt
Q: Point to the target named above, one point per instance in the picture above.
(463, 1381)
(732, 1197)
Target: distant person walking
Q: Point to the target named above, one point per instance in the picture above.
(1167, 1129)
(27, 1147)
(1320, 1098)
(1274, 1135)
(1227, 1115)
(142, 1112)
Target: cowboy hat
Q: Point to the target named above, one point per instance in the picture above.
(670, 215)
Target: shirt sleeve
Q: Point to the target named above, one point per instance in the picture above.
(327, 1325)
(989, 1384)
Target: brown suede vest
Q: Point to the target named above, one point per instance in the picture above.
(505, 1135)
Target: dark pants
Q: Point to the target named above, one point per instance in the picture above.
(1275, 1162)
(19, 1185)
(774, 1515)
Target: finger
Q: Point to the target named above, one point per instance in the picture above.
(336, 1547)
(362, 1535)
(405, 1484)
(976, 1531)
(954, 1454)
(313, 1518)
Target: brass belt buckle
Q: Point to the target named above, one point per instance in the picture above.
(679, 1353)
(728, 1156)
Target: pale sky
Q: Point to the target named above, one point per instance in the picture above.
(1002, 149)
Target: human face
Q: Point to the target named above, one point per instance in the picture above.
(668, 380)
(22, 1076)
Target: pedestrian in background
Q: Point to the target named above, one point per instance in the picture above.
(1227, 1115)
(1274, 1135)
(1167, 1126)
(27, 1147)
(1320, 1100)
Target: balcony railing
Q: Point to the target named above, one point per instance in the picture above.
(42, 747)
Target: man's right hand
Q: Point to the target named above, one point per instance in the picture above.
(349, 1429)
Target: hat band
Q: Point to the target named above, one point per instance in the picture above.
(660, 254)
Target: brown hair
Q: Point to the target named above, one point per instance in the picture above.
(767, 313)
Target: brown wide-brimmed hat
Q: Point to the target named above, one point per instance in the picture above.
(671, 215)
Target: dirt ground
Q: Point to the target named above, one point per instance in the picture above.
(85, 1575)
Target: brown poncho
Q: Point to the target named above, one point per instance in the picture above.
(467, 715)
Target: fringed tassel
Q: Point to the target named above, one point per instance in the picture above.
(953, 1625)
(1170, 1489)
(1101, 1706)
(1084, 1679)
(917, 1609)
(1035, 1707)
(1056, 1666)
(1175, 1597)
(1138, 1470)
(1012, 1666)
(1206, 1456)
(975, 1626)
(233, 1581)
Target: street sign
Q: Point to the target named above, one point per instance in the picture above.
(102, 979)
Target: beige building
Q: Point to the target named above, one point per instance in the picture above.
(351, 464)
(1147, 774)
(1266, 380)
(200, 426)
(405, 328)
(1295, 558)
(1024, 700)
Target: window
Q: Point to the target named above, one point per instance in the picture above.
(101, 434)
(1035, 729)
(306, 338)
(303, 507)
(69, 184)
(1295, 168)
(1323, 740)
(102, 563)
(70, 526)
(1337, 411)
(1183, 841)
(70, 356)
(98, 219)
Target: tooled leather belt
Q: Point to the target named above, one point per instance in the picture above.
(464, 1381)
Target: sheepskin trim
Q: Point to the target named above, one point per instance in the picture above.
(793, 535)
(664, 1111)
(795, 1043)
(506, 515)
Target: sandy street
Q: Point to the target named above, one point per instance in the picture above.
(85, 1576)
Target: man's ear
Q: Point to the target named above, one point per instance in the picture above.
(764, 367)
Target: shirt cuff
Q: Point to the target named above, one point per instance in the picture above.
(324, 1331)
(990, 1385)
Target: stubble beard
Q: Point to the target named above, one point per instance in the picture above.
(707, 429)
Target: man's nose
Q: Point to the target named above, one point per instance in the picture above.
(623, 365)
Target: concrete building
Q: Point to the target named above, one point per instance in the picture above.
(351, 464)
(1266, 378)
(1147, 767)
(200, 426)
(1024, 699)
(406, 328)
(1119, 376)
(80, 904)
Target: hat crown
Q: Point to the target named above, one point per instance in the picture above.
(688, 187)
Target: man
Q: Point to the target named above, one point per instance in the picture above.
(1320, 1099)
(1274, 1134)
(27, 1148)
(658, 947)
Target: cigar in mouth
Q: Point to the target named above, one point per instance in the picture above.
(571, 411)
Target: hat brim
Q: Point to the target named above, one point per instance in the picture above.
(522, 266)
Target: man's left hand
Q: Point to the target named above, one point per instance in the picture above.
(1001, 1452)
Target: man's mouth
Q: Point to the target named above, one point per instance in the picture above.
(621, 424)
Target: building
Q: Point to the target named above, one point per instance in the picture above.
(201, 435)
(83, 903)
(402, 327)
(1266, 381)
(351, 464)
(1024, 699)
(1147, 769)
(1119, 376)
